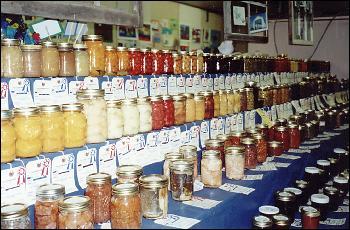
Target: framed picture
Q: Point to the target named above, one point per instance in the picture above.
(206, 35)
(300, 23)
(128, 33)
(184, 32)
(145, 33)
(196, 35)
(258, 23)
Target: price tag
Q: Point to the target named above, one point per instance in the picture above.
(204, 84)
(42, 92)
(252, 115)
(194, 130)
(343, 209)
(236, 188)
(310, 146)
(197, 81)
(107, 159)
(297, 223)
(189, 85)
(204, 132)
(216, 83)
(21, 93)
(164, 143)
(13, 185)
(176, 221)
(154, 86)
(91, 83)
(253, 177)
(234, 81)
(246, 120)
(202, 203)
(86, 164)
(142, 87)
(118, 88)
(299, 151)
(108, 88)
(73, 87)
(130, 88)
(163, 85)
(221, 125)
(213, 128)
(222, 82)
(240, 121)
(185, 137)
(234, 125)
(140, 142)
(281, 165)
(239, 83)
(210, 86)
(336, 222)
(197, 186)
(63, 172)
(228, 84)
(4, 96)
(227, 125)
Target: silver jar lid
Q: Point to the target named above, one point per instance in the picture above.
(74, 203)
(339, 151)
(72, 107)
(222, 137)
(181, 165)
(110, 48)
(125, 189)
(235, 150)
(269, 210)
(99, 178)
(133, 49)
(129, 101)
(156, 98)
(296, 191)
(31, 47)
(312, 170)
(90, 93)
(280, 220)
(319, 198)
(153, 181)
(173, 156)
(211, 154)
(10, 42)
(49, 190)
(262, 221)
(49, 44)
(13, 211)
(285, 196)
(214, 143)
(340, 180)
(64, 46)
(310, 211)
(93, 37)
(29, 111)
(323, 162)
(129, 170)
(113, 103)
(50, 108)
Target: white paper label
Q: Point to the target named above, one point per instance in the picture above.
(299, 151)
(21, 93)
(13, 185)
(107, 159)
(86, 164)
(236, 188)
(197, 186)
(286, 156)
(309, 146)
(189, 85)
(163, 85)
(4, 96)
(42, 92)
(176, 221)
(214, 128)
(60, 90)
(203, 203)
(297, 223)
(268, 166)
(222, 82)
(204, 132)
(181, 83)
(216, 83)
(130, 88)
(63, 172)
(118, 88)
(108, 88)
(73, 87)
(253, 177)
(281, 165)
(336, 222)
(91, 83)
(142, 87)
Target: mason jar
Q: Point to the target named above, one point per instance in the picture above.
(52, 124)
(234, 162)
(211, 169)
(236, 101)
(261, 147)
(158, 112)
(250, 98)
(123, 61)
(180, 109)
(230, 101)
(169, 157)
(186, 62)
(190, 107)
(145, 111)
(146, 62)
(50, 60)
(216, 98)
(15, 216)
(131, 117)
(200, 108)
(111, 61)
(168, 62)
(193, 62)
(67, 59)
(181, 180)
(200, 63)
(169, 110)
(96, 52)
(250, 152)
(177, 63)
(216, 144)
(11, 58)
(223, 102)
(115, 119)
(129, 174)
(158, 62)
(31, 60)
(74, 125)
(190, 152)
(81, 60)
(261, 222)
(8, 137)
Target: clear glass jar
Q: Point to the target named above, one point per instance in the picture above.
(177, 63)
(11, 58)
(158, 62)
(27, 122)
(281, 135)
(223, 102)
(135, 60)
(123, 61)
(181, 180)
(67, 60)
(115, 120)
(186, 62)
(74, 125)
(243, 100)
(200, 63)
(274, 148)
(236, 101)
(250, 152)
(158, 113)
(96, 52)
(81, 60)
(145, 110)
(190, 107)
(169, 157)
(75, 213)
(193, 62)
(168, 62)
(99, 189)
(111, 61)
(236, 136)
(261, 147)
(216, 98)
(180, 109)
(294, 136)
(126, 206)
(147, 62)
(250, 98)
(95, 110)
(169, 111)
(216, 144)
(211, 168)
(208, 104)
(31, 60)
(52, 124)
(131, 117)
(8, 137)
(190, 152)
(129, 174)
(46, 206)
(200, 107)
(234, 162)
(230, 101)
(15, 216)
(50, 60)
(154, 196)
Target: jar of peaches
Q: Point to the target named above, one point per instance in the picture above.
(31, 60)
(96, 52)
(123, 61)
(134, 61)
(190, 107)
(111, 61)
(180, 109)
(50, 60)
(223, 102)
(8, 137)
(74, 125)
(193, 62)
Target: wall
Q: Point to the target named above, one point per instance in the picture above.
(334, 46)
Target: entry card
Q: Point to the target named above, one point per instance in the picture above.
(236, 188)
(203, 203)
(176, 221)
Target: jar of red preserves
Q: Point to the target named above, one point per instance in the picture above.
(158, 112)
(226, 139)
(146, 62)
(274, 148)
(158, 62)
(169, 111)
(261, 147)
(272, 131)
(264, 130)
(294, 136)
(168, 62)
(216, 144)
(236, 136)
(310, 217)
(250, 153)
(135, 60)
(282, 135)
(208, 104)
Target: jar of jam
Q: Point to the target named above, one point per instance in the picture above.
(250, 152)
(75, 213)
(334, 168)
(342, 184)
(169, 111)
(234, 162)
(310, 218)
(250, 98)
(168, 62)
(305, 188)
(261, 147)
(123, 61)
(330, 120)
(216, 144)
(264, 130)
(158, 62)
(298, 195)
(281, 135)
(111, 61)
(236, 101)
(146, 62)
(190, 107)
(223, 103)
(216, 98)
(200, 107)
(31, 60)
(281, 221)
(181, 179)
(236, 136)
(180, 109)
(321, 203)
(8, 137)
(135, 60)
(268, 210)
(145, 111)
(189, 152)
(207, 63)
(96, 52)
(177, 63)
(99, 189)
(169, 157)
(312, 175)
(211, 169)
(342, 156)
(272, 130)
(50, 60)
(261, 222)
(326, 166)
(200, 63)
(131, 117)
(158, 112)
(302, 130)
(129, 174)
(15, 216)
(294, 136)
(243, 97)
(81, 60)
(334, 197)
(309, 131)
(208, 105)
(316, 127)
(11, 58)
(274, 148)
(286, 203)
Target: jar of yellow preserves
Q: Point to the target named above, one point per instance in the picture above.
(11, 58)
(52, 128)
(96, 52)
(216, 103)
(74, 125)
(50, 60)
(223, 102)
(28, 129)
(8, 137)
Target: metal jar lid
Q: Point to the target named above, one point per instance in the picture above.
(50, 108)
(175, 55)
(125, 189)
(248, 141)
(252, 131)
(310, 211)
(90, 93)
(72, 107)
(179, 98)
(167, 97)
(238, 134)
(285, 196)
(173, 156)
(64, 46)
(211, 154)
(323, 163)
(156, 98)
(280, 220)
(228, 91)
(49, 44)
(121, 48)
(281, 128)
(312, 170)
(339, 151)
(10, 42)
(319, 198)
(222, 92)
(198, 98)
(50, 190)
(262, 222)
(181, 165)
(78, 47)
(30, 111)
(340, 180)
(110, 48)
(153, 181)
(330, 190)
(222, 137)
(74, 203)
(234, 150)
(269, 210)
(214, 143)
(13, 211)
(113, 104)
(296, 191)
(188, 95)
(187, 149)
(31, 47)
(129, 101)
(145, 50)
(6, 115)
(166, 51)
(154, 50)
(134, 49)
(99, 178)
(129, 170)
(141, 100)
(92, 38)
(262, 126)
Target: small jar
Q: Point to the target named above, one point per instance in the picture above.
(50, 60)
(310, 218)
(264, 130)
(15, 216)
(342, 184)
(230, 101)
(298, 195)
(208, 105)
(334, 197)
(193, 62)
(234, 162)
(261, 147)
(190, 152)
(111, 61)
(281, 221)
(52, 124)
(169, 157)
(146, 61)
(200, 63)
(158, 113)
(216, 98)
(200, 107)
(95, 110)
(186, 62)
(154, 196)
(168, 67)
(250, 98)
(145, 110)
(123, 61)
(321, 203)
(27, 123)
(281, 135)
(312, 176)
(286, 203)
(342, 156)
(158, 62)
(96, 52)
(169, 111)
(326, 166)
(216, 144)
(31, 60)
(223, 102)
(294, 136)
(304, 186)
(268, 210)
(236, 101)
(135, 60)
(126, 206)
(261, 222)
(46, 205)
(190, 107)
(11, 58)
(81, 60)
(75, 213)
(211, 169)
(131, 117)
(250, 152)
(334, 168)
(236, 137)
(99, 189)
(274, 148)
(67, 60)
(177, 63)
(243, 101)
(74, 125)
(114, 119)
(181, 180)
(180, 109)
(8, 137)
(129, 174)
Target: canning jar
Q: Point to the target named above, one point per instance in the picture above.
(252, 131)
(200, 63)
(96, 52)
(126, 206)
(281, 122)
(312, 176)
(111, 61)
(31, 60)
(243, 100)
(129, 174)
(250, 98)
(186, 62)
(15, 216)
(135, 60)
(81, 60)
(236, 136)
(154, 196)
(261, 147)
(177, 63)
(190, 107)
(180, 109)
(230, 101)
(216, 98)
(181, 180)
(169, 157)
(274, 148)
(99, 189)
(234, 162)
(75, 213)
(326, 166)
(342, 156)
(298, 195)
(46, 205)
(146, 61)
(223, 103)
(193, 62)
(50, 60)
(281, 135)
(67, 59)
(272, 130)
(268, 210)
(342, 184)
(281, 221)
(200, 107)
(309, 131)
(95, 110)
(131, 117)
(11, 58)
(208, 104)
(74, 125)
(264, 130)
(216, 144)
(169, 110)
(286, 203)
(8, 137)
(321, 203)
(158, 62)
(334, 197)
(145, 110)
(27, 123)
(261, 222)
(206, 63)
(250, 152)
(52, 124)
(190, 152)
(310, 217)
(114, 119)
(335, 169)
(211, 168)
(168, 67)
(304, 186)
(294, 136)
(236, 101)
(158, 112)
(218, 62)
(123, 61)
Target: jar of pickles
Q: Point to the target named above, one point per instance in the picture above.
(158, 62)
(114, 119)
(243, 100)
(250, 153)
(223, 103)
(123, 61)
(52, 124)
(135, 59)
(261, 147)
(282, 135)
(208, 104)
(131, 117)
(193, 62)
(129, 174)
(95, 110)
(181, 179)
(211, 168)
(168, 62)
(216, 98)
(146, 61)
(158, 112)
(177, 63)
(67, 59)
(111, 61)
(81, 60)
(186, 63)
(96, 52)
(31, 60)
(236, 101)
(8, 137)
(145, 110)
(169, 157)
(200, 63)
(218, 145)
(15, 216)
(74, 125)
(200, 107)
(190, 107)
(234, 162)
(190, 152)
(11, 58)
(180, 109)
(294, 136)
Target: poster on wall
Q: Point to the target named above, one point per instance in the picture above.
(155, 31)
(196, 35)
(125, 32)
(257, 23)
(184, 48)
(184, 32)
(145, 33)
(238, 13)
(215, 37)
(205, 35)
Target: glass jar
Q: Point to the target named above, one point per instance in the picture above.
(123, 61)
(321, 203)
(275, 95)
(181, 180)
(200, 107)
(216, 98)
(216, 144)
(46, 205)
(31, 60)
(75, 213)
(286, 203)
(27, 123)
(236, 137)
(281, 135)
(310, 218)
(135, 60)
(81, 60)
(114, 119)
(281, 221)
(312, 176)
(169, 157)
(129, 174)
(158, 112)
(99, 189)
(261, 222)
(261, 147)
(334, 170)
(211, 168)
(169, 111)
(208, 104)
(52, 124)
(193, 62)
(145, 110)
(8, 137)
(126, 206)
(11, 58)
(111, 61)
(274, 148)
(158, 62)
(250, 153)
(298, 195)
(342, 184)
(234, 162)
(223, 103)
(304, 186)
(264, 130)
(168, 61)
(263, 96)
(334, 199)
(146, 61)
(243, 100)
(294, 136)
(154, 196)
(190, 107)
(15, 216)
(96, 52)
(189, 152)
(206, 63)
(281, 122)
(67, 60)
(230, 101)
(250, 98)
(177, 63)
(180, 109)
(272, 130)
(268, 210)
(50, 60)
(74, 125)
(236, 101)
(326, 166)
(95, 110)
(131, 117)
(186, 63)
(200, 63)
(309, 131)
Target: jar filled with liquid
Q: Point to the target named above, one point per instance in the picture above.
(67, 60)
(181, 180)
(135, 60)
(131, 117)
(169, 157)
(81, 60)
(211, 169)
(158, 112)
(169, 110)
(189, 152)
(8, 137)
(129, 174)
(52, 121)
(31, 60)
(123, 61)
(96, 52)
(145, 110)
(74, 125)
(11, 58)
(15, 216)
(234, 162)
(180, 109)
(115, 119)
(111, 61)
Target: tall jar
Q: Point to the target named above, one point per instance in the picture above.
(115, 119)
(8, 137)
(168, 62)
(46, 206)
(95, 110)
(181, 180)
(223, 102)
(75, 213)
(158, 62)
(186, 62)
(193, 62)
(74, 125)
(52, 124)
(67, 60)
(190, 152)
(96, 52)
(180, 109)
(126, 206)
(146, 61)
(211, 169)
(15, 216)
(250, 98)
(282, 135)
(250, 152)
(154, 196)
(31, 60)
(177, 63)
(236, 137)
(111, 61)
(243, 101)
(234, 162)
(50, 60)
(216, 98)
(208, 104)
(27, 122)
(11, 58)
(261, 147)
(206, 63)
(294, 136)
(135, 60)
(230, 101)
(200, 108)
(131, 117)
(158, 112)
(200, 63)
(129, 174)
(170, 157)
(81, 60)
(216, 144)
(236, 101)
(169, 110)
(123, 61)
(99, 189)
(145, 111)
(190, 107)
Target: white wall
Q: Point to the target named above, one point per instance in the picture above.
(334, 46)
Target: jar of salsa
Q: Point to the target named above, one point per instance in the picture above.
(158, 112)
(236, 136)
(96, 52)
(281, 135)
(177, 63)
(250, 152)
(168, 62)
(158, 62)
(261, 147)
(135, 60)
(274, 148)
(169, 111)
(146, 62)
(208, 104)
(310, 218)
(294, 136)
(216, 144)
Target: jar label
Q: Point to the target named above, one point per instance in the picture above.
(234, 84)
(13, 188)
(252, 115)
(174, 137)
(204, 84)
(234, 125)
(176, 221)
(222, 82)
(163, 86)
(172, 89)
(63, 172)
(185, 137)
(213, 128)
(240, 121)
(195, 136)
(297, 223)
(197, 81)
(202, 203)
(107, 156)
(297, 107)
(118, 88)
(153, 86)
(287, 156)
(181, 83)
(236, 188)
(107, 86)
(73, 87)
(130, 88)
(4, 96)
(228, 82)
(253, 177)
(142, 87)
(86, 166)
(216, 83)
(210, 84)
(42, 92)
(59, 90)
(189, 85)
(204, 132)
(273, 113)
(20, 92)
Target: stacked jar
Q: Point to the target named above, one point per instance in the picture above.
(200, 63)
(169, 157)
(11, 58)
(67, 59)
(200, 107)
(193, 62)
(8, 137)
(177, 63)
(96, 52)
(223, 103)
(189, 152)
(111, 61)
(186, 63)
(250, 152)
